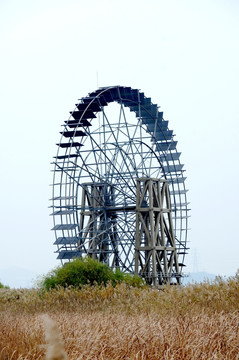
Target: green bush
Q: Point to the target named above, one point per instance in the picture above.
(3, 286)
(87, 271)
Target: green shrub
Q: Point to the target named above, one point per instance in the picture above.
(3, 286)
(87, 271)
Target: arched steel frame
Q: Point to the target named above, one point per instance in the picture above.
(109, 148)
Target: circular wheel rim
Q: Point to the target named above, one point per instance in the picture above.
(96, 147)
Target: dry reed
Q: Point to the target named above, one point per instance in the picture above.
(54, 343)
(193, 322)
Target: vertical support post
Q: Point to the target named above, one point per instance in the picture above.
(98, 230)
(137, 235)
(155, 249)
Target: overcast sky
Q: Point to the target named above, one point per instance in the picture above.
(183, 54)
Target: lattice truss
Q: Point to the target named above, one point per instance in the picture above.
(113, 137)
(156, 257)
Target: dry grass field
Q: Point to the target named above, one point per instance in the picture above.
(198, 321)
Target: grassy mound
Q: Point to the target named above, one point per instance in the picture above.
(87, 271)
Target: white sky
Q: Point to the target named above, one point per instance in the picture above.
(183, 54)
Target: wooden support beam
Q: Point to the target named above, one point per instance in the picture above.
(155, 249)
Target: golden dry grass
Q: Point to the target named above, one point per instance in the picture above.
(54, 343)
(192, 322)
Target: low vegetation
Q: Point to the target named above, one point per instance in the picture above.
(87, 271)
(3, 286)
(120, 321)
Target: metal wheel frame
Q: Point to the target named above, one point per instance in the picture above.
(94, 149)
